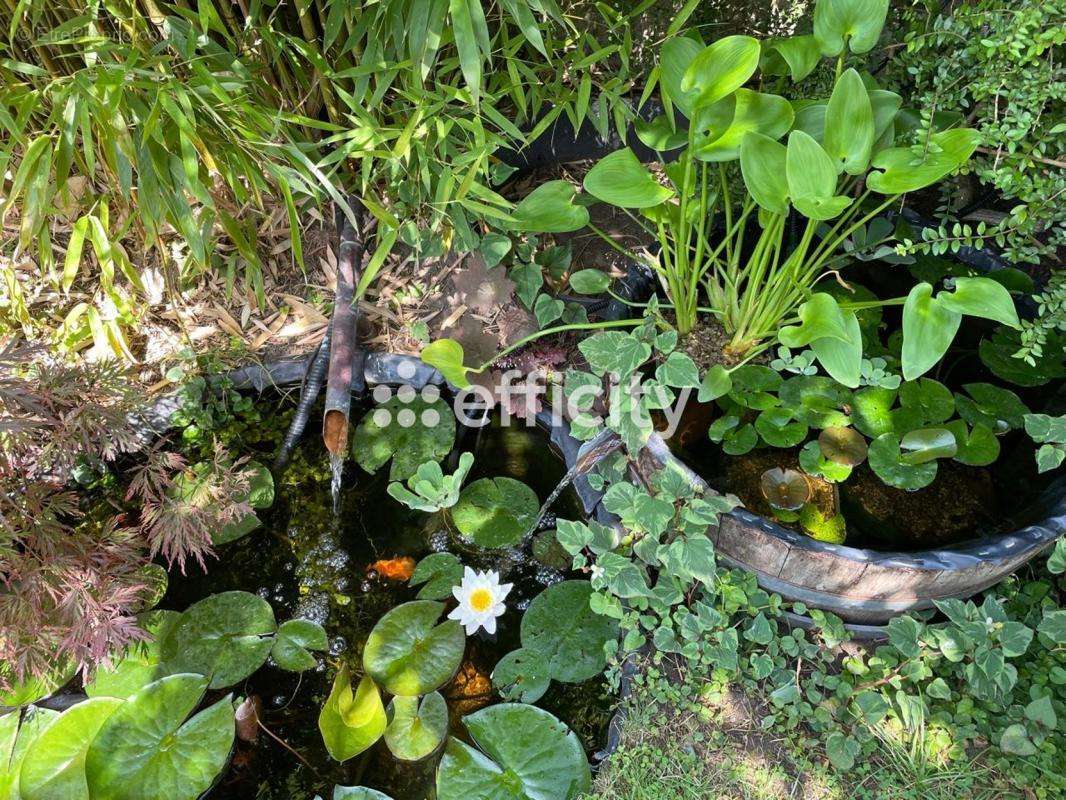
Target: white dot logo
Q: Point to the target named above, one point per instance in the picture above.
(406, 395)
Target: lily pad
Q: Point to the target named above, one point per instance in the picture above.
(416, 728)
(525, 752)
(886, 460)
(294, 639)
(438, 572)
(495, 512)
(226, 637)
(785, 489)
(409, 654)
(977, 446)
(18, 731)
(350, 722)
(814, 463)
(779, 428)
(522, 675)
(561, 625)
(146, 750)
(843, 446)
(408, 430)
(140, 663)
(927, 444)
(54, 765)
(996, 408)
(815, 399)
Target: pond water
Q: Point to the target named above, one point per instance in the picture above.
(345, 571)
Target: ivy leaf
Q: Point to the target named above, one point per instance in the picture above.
(528, 279)
(494, 246)
(1042, 712)
(547, 309)
(1015, 741)
(614, 352)
(759, 630)
(903, 633)
(679, 370)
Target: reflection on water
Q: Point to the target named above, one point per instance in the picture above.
(345, 570)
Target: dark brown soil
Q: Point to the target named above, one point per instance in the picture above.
(954, 505)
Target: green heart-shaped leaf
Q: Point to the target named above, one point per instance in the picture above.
(904, 170)
(525, 752)
(409, 654)
(762, 164)
(416, 728)
(550, 208)
(54, 765)
(886, 461)
(721, 69)
(146, 750)
(858, 22)
(293, 641)
(621, 180)
(927, 444)
(446, 356)
(522, 675)
(225, 637)
(849, 125)
(755, 112)
(981, 297)
(561, 625)
(820, 317)
(929, 327)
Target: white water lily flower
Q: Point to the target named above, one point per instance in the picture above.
(480, 597)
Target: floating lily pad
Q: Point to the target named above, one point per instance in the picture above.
(18, 731)
(886, 461)
(785, 489)
(977, 446)
(817, 400)
(996, 408)
(408, 430)
(438, 572)
(929, 400)
(928, 444)
(495, 512)
(146, 750)
(225, 636)
(54, 765)
(416, 727)
(843, 446)
(522, 675)
(814, 463)
(409, 654)
(525, 752)
(779, 428)
(350, 722)
(872, 411)
(294, 639)
(140, 663)
(563, 628)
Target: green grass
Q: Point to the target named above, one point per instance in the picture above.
(721, 751)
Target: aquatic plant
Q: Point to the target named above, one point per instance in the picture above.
(429, 489)
(481, 599)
